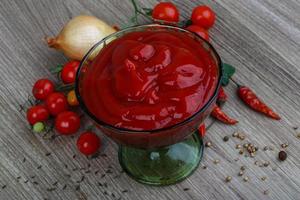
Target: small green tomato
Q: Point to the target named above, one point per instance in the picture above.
(38, 127)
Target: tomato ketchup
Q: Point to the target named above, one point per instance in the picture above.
(149, 80)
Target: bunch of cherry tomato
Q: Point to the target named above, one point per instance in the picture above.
(55, 104)
(202, 17)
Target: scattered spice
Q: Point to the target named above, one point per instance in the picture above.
(228, 178)
(19, 177)
(226, 138)
(250, 99)
(74, 156)
(26, 181)
(24, 160)
(216, 161)
(124, 191)
(241, 151)
(241, 136)
(4, 186)
(263, 178)
(39, 167)
(208, 144)
(204, 167)
(265, 148)
(243, 168)
(238, 146)
(64, 187)
(48, 154)
(266, 164)
(246, 178)
(282, 155)
(241, 173)
(284, 145)
(186, 189)
(55, 183)
(235, 134)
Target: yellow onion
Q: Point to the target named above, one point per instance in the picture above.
(79, 35)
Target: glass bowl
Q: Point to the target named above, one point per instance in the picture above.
(160, 156)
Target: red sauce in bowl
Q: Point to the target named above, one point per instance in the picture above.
(149, 80)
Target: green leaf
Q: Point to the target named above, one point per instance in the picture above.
(185, 23)
(228, 71)
(148, 11)
(56, 69)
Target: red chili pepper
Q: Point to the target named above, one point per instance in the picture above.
(221, 116)
(202, 130)
(222, 96)
(250, 99)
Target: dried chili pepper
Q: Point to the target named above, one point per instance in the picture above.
(202, 130)
(222, 96)
(250, 99)
(221, 116)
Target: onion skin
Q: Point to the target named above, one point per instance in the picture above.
(79, 35)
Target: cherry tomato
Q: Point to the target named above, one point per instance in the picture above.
(88, 143)
(165, 11)
(203, 16)
(68, 73)
(199, 31)
(67, 123)
(38, 113)
(56, 103)
(72, 99)
(42, 88)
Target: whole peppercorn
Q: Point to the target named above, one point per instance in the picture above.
(282, 155)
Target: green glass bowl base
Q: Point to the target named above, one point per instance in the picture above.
(162, 166)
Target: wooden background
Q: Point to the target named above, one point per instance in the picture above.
(261, 38)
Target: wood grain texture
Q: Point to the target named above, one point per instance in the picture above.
(260, 38)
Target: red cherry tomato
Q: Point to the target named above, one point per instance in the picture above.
(199, 31)
(68, 73)
(56, 103)
(37, 113)
(203, 16)
(88, 143)
(166, 11)
(67, 123)
(42, 88)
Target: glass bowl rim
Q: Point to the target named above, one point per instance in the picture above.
(120, 129)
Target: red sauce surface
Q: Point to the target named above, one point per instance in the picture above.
(149, 80)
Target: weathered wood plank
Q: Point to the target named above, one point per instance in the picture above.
(260, 38)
